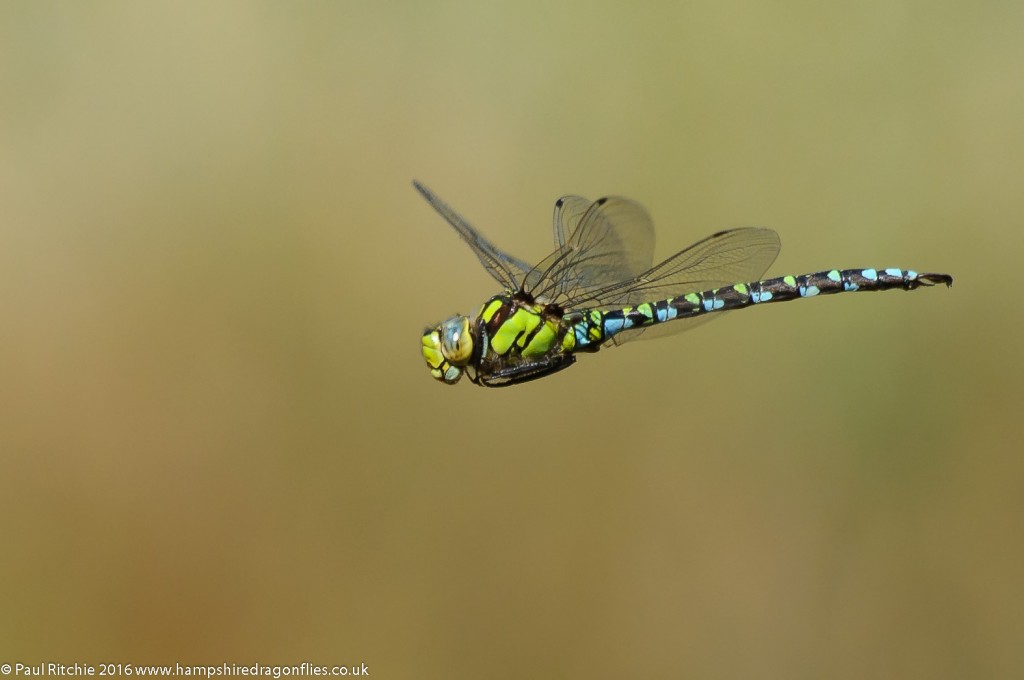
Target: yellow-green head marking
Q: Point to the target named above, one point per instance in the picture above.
(447, 348)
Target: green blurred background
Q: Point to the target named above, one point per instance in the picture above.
(219, 440)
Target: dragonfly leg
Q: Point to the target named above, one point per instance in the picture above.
(526, 370)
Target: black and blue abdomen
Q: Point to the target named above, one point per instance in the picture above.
(588, 330)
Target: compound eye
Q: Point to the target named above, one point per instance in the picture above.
(456, 340)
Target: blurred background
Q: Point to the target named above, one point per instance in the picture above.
(218, 439)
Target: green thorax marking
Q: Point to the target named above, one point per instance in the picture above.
(520, 327)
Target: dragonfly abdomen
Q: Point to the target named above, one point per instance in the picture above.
(841, 281)
(595, 327)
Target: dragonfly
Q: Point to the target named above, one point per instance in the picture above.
(600, 287)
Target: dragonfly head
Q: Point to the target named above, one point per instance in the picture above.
(447, 348)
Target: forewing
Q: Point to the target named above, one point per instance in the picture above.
(509, 271)
(612, 242)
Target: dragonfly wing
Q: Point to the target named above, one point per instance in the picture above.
(723, 259)
(613, 240)
(509, 271)
(569, 210)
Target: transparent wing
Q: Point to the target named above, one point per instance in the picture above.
(603, 257)
(509, 271)
(569, 210)
(609, 241)
(722, 259)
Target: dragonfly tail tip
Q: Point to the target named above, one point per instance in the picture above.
(935, 279)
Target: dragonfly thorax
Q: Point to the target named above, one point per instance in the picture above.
(448, 348)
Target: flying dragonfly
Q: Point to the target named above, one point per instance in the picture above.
(600, 287)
